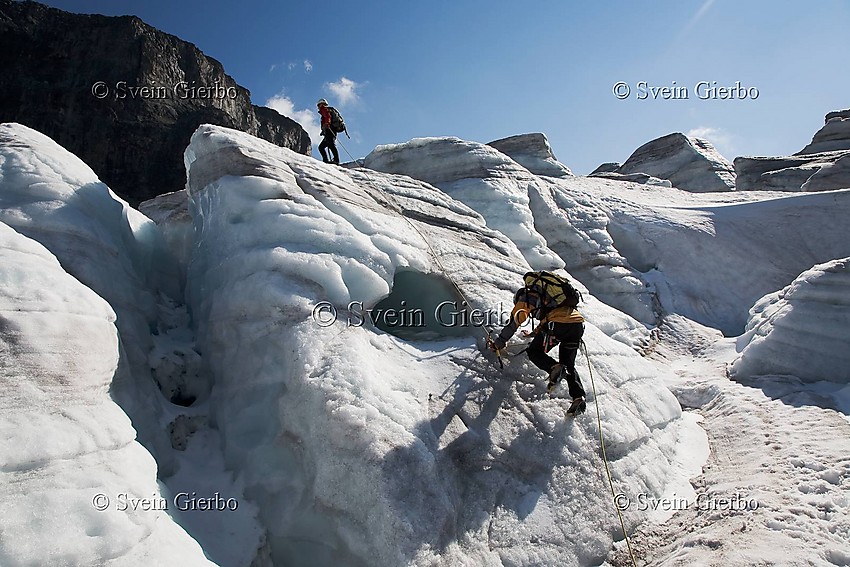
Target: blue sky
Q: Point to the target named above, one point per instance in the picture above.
(485, 70)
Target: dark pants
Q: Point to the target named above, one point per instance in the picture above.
(569, 336)
(328, 141)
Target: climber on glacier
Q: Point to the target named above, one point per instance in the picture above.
(328, 134)
(552, 299)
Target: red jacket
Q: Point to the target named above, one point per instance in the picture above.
(326, 117)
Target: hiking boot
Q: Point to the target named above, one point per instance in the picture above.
(578, 406)
(554, 377)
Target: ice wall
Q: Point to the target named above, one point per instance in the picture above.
(51, 196)
(364, 449)
(479, 176)
(580, 233)
(550, 227)
(802, 330)
(706, 256)
(70, 467)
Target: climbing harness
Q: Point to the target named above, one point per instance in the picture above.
(614, 498)
(490, 343)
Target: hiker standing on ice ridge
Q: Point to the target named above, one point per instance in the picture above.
(550, 298)
(328, 135)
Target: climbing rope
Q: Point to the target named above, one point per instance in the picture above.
(489, 339)
(437, 261)
(346, 150)
(605, 456)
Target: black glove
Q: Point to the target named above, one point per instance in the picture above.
(498, 343)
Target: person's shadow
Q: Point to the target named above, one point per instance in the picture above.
(444, 490)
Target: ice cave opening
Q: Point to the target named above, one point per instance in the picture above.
(423, 307)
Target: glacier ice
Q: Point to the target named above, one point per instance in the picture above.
(49, 195)
(363, 448)
(549, 226)
(706, 256)
(533, 152)
(351, 438)
(802, 330)
(689, 163)
(67, 449)
(479, 176)
(357, 440)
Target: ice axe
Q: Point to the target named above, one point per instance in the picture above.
(491, 345)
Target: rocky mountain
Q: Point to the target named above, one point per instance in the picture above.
(122, 95)
(823, 165)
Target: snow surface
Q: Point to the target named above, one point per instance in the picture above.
(707, 256)
(802, 330)
(49, 195)
(347, 442)
(381, 451)
(775, 488)
(65, 445)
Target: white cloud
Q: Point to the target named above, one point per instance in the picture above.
(702, 132)
(273, 67)
(723, 141)
(344, 91)
(308, 119)
(306, 64)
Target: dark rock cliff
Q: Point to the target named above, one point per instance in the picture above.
(122, 95)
